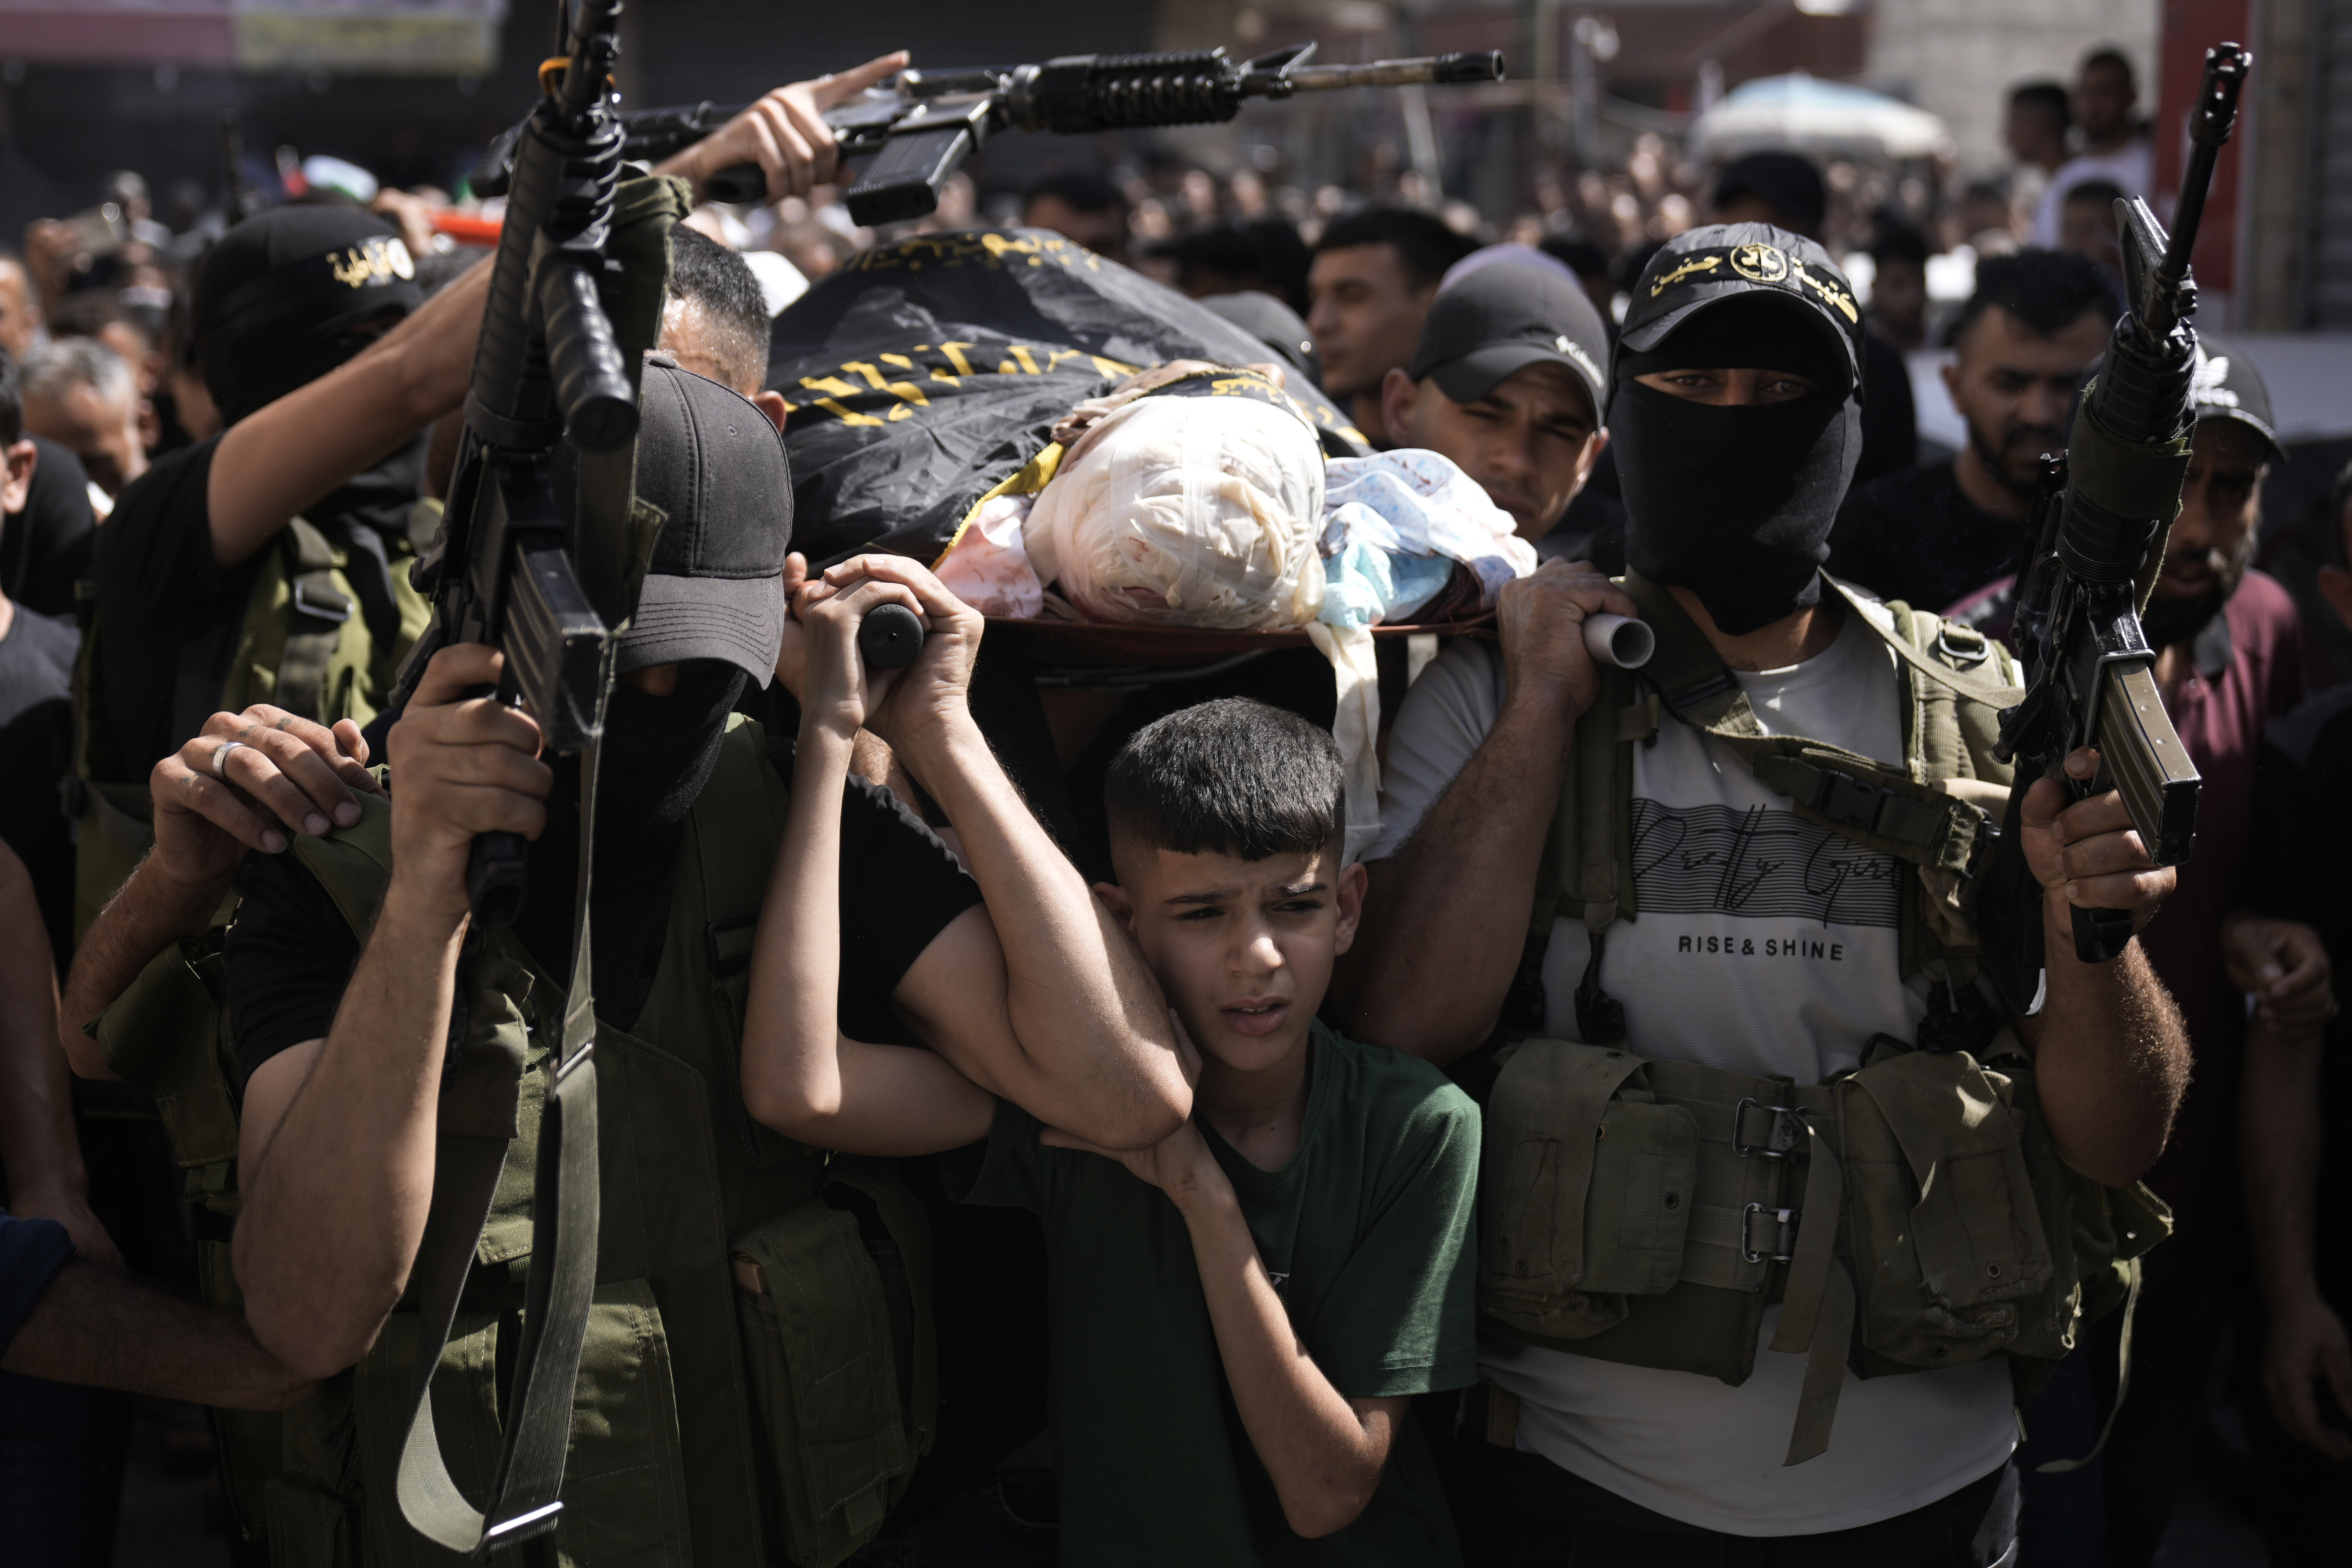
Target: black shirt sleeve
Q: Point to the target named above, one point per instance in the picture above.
(168, 613)
(291, 952)
(900, 887)
(45, 549)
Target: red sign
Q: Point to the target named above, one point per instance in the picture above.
(2190, 27)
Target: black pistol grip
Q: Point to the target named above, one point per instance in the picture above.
(496, 878)
(890, 638)
(2100, 935)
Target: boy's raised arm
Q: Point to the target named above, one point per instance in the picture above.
(1043, 998)
(800, 1075)
(1324, 1451)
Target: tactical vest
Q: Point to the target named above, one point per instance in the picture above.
(323, 633)
(760, 1373)
(1911, 1215)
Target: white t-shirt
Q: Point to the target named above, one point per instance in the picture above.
(1764, 944)
(2130, 168)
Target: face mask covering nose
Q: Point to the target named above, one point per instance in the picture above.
(1736, 502)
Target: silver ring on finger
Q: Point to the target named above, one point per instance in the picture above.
(220, 759)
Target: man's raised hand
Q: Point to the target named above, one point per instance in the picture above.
(2088, 853)
(465, 766)
(1541, 619)
(916, 701)
(784, 133)
(244, 781)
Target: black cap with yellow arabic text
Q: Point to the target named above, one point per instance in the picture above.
(1703, 267)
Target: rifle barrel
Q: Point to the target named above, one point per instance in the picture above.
(2210, 124)
(1480, 65)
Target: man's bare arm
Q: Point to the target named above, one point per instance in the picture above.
(96, 1327)
(337, 1143)
(2111, 1053)
(47, 1179)
(1446, 919)
(2279, 1137)
(273, 463)
(1046, 1001)
(800, 1075)
(287, 775)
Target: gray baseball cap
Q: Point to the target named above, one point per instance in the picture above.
(1499, 320)
(716, 466)
(2226, 386)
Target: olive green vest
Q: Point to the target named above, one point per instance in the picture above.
(1909, 1216)
(305, 645)
(760, 1373)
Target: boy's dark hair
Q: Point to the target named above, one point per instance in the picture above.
(1230, 777)
(12, 401)
(733, 310)
(1425, 248)
(2050, 97)
(2046, 290)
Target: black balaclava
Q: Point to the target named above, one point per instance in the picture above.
(658, 754)
(1736, 503)
(282, 299)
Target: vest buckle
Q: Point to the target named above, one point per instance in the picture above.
(320, 604)
(1786, 1244)
(1788, 1131)
(1850, 801)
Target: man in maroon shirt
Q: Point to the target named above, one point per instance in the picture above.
(2230, 659)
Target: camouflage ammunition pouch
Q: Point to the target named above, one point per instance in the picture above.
(1910, 1215)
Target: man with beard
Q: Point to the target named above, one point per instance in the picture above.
(1931, 535)
(2230, 660)
(1768, 950)
(341, 1036)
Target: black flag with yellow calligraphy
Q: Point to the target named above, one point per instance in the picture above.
(927, 371)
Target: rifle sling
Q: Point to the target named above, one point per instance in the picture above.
(560, 1285)
(1856, 796)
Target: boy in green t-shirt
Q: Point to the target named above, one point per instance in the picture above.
(1242, 1312)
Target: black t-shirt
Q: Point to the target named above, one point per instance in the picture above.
(1914, 536)
(2298, 863)
(36, 661)
(168, 615)
(290, 954)
(45, 549)
(1890, 419)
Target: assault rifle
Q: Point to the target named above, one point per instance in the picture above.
(2099, 530)
(510, 570)
(916, 129)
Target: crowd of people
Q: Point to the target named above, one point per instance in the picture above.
(1035, 1124)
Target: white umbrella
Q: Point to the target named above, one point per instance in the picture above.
(1805, 113)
